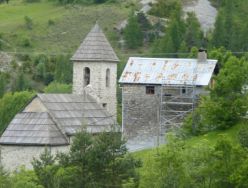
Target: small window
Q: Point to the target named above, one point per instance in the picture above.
(104, 105)
(107, 78)
(150, 90)
(183, 90)
(86, 76)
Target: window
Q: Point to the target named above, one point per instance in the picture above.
(150, 90)
(86, 76)
(107, 78)
(183, 91)
(104, 105)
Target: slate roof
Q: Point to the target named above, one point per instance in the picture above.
(95, 47)
(32, 129)
(66, 114)
(169, 71)
(73, 111)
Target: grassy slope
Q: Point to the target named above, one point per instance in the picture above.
(72, 23)
(148, 156)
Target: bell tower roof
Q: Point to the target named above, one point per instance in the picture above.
(95, 48)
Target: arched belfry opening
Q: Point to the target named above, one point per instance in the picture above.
(107, 77)
(86, 76)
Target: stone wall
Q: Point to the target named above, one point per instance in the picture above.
(107, 95)
(140, 111)
(12, 157)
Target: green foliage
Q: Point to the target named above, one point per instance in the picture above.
(32, 1)
(165, 8)
(180, 165)
(171, 42)
(99, 161)
(21, 82)
(1, 41)
(56, 87)
(28, 22)
(3, 83)
(132, 33)
(25, 42)
(231, 26)
(193, 33)
(243, 136)
(10, 104)
(4, 178)
(63, 69)
(24, 179)
(84, 1)
(227, 103)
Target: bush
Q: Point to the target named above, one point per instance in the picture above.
(28, 22)
(55, 87)
(243, 136)
(26, 42)
(10, 104)
(51, 22)
(32, 1)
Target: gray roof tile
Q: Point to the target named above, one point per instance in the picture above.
(95, 47)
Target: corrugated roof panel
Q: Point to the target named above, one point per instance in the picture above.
(167, 71)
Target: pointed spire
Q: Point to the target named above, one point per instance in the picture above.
(95, 47)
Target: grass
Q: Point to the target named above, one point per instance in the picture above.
(148, 157)
(71, 24)
(210, 138)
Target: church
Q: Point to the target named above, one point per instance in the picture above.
(51, 120)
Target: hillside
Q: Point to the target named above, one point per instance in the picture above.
(56, 28)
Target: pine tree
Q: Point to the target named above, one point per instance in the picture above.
(193, 34)
(132, 33)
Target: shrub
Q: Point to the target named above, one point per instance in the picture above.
(28, 22)
(243, 136)
(51, 22)
(55, 87)
(10, 104)
(26, 42)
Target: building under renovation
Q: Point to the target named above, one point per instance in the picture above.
(157, 93)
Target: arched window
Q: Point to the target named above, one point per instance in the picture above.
(86, 76)
(107, 78)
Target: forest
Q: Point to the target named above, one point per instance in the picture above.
(210, 150)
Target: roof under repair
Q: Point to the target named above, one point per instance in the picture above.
(171, 71)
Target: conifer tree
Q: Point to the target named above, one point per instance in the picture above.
(132, 33)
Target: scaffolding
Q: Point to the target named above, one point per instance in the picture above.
(176, 101)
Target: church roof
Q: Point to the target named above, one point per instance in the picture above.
(95, 47)
(73, 112)
(32, 129)
(60, 116)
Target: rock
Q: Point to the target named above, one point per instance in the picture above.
(204, 11)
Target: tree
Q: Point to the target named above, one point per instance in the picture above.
(99, 161)
(227, 103)
(193, 33)
(55, 87)
(3, 81)
(132, 33)
(10, 104)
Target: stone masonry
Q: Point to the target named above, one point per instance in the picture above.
(106, 95)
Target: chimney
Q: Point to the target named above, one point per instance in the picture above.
(202, 56)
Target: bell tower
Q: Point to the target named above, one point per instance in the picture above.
(95, 66)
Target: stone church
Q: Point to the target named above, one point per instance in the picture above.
(51, 120)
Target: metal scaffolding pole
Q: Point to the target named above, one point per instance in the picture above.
(176, 101)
